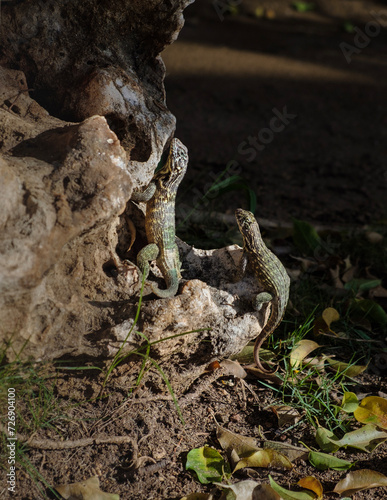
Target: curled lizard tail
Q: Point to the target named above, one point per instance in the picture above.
(172, 281)
(269, 328)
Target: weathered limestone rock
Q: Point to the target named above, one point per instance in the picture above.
(67, 283)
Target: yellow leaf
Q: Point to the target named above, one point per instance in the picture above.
(372, 410)
(313, 484)
(301, 350)
(330, 315)
(347, 369)
(264, 458)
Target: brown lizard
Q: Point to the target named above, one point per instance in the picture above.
(160, 196)
(270, 272)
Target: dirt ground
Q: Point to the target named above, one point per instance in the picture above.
(225, 78)
(226, 81)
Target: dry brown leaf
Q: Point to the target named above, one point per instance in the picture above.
(84, 490)
(230, 441)
(373, 237)
(335, 275)
(292, 452)
(233, 368)
(378, 291)
(358, 480)
(286, 415)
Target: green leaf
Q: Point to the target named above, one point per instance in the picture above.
(303, 6)
(350, 402)
(371, 309)
(208, 464)
(323, 461)
(291, 495)
(305, 237)
(348, 26)
(362, 284)
(325, 439)
(366, 438)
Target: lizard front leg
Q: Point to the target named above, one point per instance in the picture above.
(145, 255)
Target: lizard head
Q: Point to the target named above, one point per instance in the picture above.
(247, 224)
(245, 219)
(176, 165)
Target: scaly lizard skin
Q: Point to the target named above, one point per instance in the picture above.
(270, 272)
(160, 196)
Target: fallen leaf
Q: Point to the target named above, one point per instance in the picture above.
(291, 495)
(230, 441)
(366, 438)
(347, 369)
(249, 490)
(378, 291)
(233, 368)
(350, 402)
(264, 458)
(330, 315)
(286, 415)
(312, 483)
(326, 440)
(373, 237)
(208, 464)
(358, 480)
(370, 309)
(362, 284)
(301, 350)
(293, 453)
(254, 371)
(198, 496)
(372, 410)
(323, 461)
(84, 490)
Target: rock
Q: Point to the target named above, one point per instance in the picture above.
(71, 157)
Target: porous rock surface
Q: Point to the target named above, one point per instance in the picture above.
(72, 150)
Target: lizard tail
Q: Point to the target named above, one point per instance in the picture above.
(257, 347)
(172, 281)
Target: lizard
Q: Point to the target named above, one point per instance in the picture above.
(160, 197)
(270, 272)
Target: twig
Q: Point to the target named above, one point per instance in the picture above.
(50, 444)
